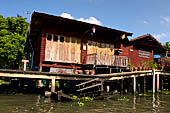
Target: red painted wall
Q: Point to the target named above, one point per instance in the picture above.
(132, 53)
(43, 45)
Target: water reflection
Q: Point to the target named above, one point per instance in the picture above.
(40, 104)
(134, 104)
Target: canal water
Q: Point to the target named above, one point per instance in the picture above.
(22, 103)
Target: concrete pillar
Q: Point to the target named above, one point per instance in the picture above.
(158, 83)
(134, 84)
(153, 71)
(53, 85)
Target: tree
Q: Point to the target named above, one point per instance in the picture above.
(167, 46)
(13, 32)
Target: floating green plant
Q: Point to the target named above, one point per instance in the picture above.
(4, 82)
(149, 91)
(123, 99)
(80, 104)
(165, 91)
(82, 98)
(145, 94)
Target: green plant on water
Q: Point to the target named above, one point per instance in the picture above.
(149, 91)
(145, 94)
(86, 99)
(4, 82)
(123, 99)
(12, 91)
(75, 97)
(82, 98)
(80, 104)
(165, 91)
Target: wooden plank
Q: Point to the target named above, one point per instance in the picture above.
(78, 51)
(99, 84)
(87, 82)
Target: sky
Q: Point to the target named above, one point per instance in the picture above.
(139, 17)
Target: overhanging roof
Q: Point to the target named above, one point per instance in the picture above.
(37, 18)
(147, 40)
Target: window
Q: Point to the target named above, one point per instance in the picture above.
(144, 53)
(55, 38)
(49, 36)
(61, 38)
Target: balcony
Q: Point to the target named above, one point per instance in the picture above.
(104, 59)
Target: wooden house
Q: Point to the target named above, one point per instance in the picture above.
(60, 43)
(142, 49)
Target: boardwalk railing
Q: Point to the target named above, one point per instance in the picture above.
(105, 59)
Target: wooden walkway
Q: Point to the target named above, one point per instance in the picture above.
(88, 79)
(60, 76)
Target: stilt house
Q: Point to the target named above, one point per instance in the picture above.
(58, 44)
(144, 48)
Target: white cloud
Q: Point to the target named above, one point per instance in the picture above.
(160, 35)
(91, 20)
(165, 20)
(67, 15)
(145, 22)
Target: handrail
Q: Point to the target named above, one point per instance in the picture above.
(105, 59)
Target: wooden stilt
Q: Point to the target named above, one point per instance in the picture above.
(158, 83)
(144, 84)
(53, 85)
(162, 82)
(121, 87)
(59, 95)
(39, 83)
(47, 84)
(107, 89)
(134, 85)
(153, 71)
(110, 70)
(102, 88)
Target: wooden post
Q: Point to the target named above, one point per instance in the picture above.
(134, 85)
(47, 84)
(153, 71)
(39, 83)
(121, 87)
(158, 83)
(53, 85)
(102, 88)
(162, 82)
(110, 70)
(107, 89)
(59, 95)
(25, 64)
(144, 84)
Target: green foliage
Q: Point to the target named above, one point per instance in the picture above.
(81, 98)
(167, 46)
(130, 65)
(13, 32)
(80, 104)
(152, 64)
(4, 82)
(123, 99)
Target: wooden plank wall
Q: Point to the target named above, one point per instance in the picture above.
(65, 49)
(104, 52)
